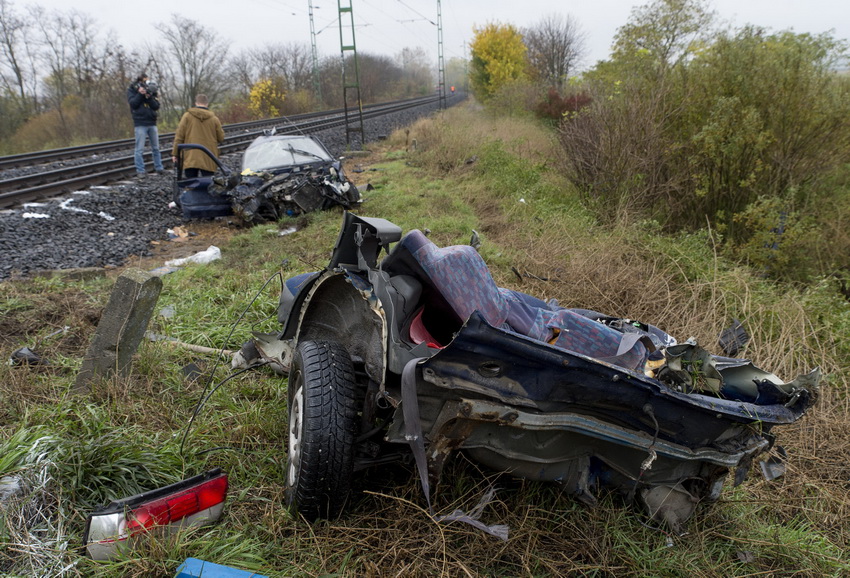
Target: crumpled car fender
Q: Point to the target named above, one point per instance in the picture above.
(342, 307)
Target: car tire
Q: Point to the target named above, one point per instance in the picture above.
(322, 427)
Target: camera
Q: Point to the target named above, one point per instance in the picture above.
(151, 87)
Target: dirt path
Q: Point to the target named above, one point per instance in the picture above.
(191, 238)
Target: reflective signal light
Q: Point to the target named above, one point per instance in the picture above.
(193, 502)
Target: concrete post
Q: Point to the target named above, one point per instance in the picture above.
(122, 327)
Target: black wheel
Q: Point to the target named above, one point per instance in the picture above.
(323, 426)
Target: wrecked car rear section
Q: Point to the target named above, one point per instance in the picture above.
(664, 430)
(526, 408)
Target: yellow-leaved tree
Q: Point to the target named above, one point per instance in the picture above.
(498, 59)
(266, 98)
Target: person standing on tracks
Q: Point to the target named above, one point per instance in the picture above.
(199, 125)
(144, 104)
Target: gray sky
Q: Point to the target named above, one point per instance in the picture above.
(387, 26)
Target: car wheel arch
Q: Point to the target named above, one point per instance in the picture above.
(337, 310)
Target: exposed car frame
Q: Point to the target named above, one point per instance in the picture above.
(386, 358)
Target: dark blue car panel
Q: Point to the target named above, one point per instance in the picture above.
(529, 373)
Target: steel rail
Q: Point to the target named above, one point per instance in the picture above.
(67, 153)
(37, 186)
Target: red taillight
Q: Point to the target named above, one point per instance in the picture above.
(175, 507)
(192, 502)
(182, 506)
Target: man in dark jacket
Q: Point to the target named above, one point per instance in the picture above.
(200, 126)
(142, 96)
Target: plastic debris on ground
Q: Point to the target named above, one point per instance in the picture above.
(25, 356)
(160, 271)
(178, 234)
(209, 255)
(196, 568)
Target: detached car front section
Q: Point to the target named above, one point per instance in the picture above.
(281, 175)
(428, 357)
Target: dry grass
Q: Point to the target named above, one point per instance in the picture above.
(795, 525)
(436, 142)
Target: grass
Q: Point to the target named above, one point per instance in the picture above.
(468, 171)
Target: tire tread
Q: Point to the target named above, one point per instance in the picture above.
(329, 430)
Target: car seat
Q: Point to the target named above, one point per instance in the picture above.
(462, 279)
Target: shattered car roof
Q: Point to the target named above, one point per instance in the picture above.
(278, 151)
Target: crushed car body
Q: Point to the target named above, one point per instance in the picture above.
(421, 353)
(281, 175)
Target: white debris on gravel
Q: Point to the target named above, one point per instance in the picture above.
(51, 238)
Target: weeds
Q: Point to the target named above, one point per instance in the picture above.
(124, 436)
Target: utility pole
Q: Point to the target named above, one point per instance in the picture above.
(353, 87)
(441, 64)
(465, 69)
(317, 83)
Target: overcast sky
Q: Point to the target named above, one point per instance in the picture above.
(387, 26)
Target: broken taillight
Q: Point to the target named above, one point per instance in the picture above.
(192, 502)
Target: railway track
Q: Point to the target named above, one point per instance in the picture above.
(90, 169)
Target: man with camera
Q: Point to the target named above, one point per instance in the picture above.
(142, 96)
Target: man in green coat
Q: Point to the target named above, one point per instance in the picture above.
(200, 126)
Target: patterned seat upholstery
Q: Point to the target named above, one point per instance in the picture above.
(461, 276)
(572, 331)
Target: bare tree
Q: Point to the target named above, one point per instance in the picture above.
(242, 72)
(55, 55)
(197, 59)
(290, 62)
(417, 69)
(378, 75)
(100, 75)
(17, 65)
(88, 59)
(330, 77)
(80, 66)
(288, 66)
(556, 45)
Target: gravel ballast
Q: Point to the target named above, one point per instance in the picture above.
(103, 226)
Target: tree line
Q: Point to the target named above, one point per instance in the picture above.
(63, 79)
(691, 125)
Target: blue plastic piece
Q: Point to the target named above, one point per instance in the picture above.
(195, 568)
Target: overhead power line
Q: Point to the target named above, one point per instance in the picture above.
(416, 12)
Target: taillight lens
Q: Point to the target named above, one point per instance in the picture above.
(192, 502)
(177, 506)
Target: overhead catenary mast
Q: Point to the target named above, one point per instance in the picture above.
(317, 83)
(441, 65)
(350, 88)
